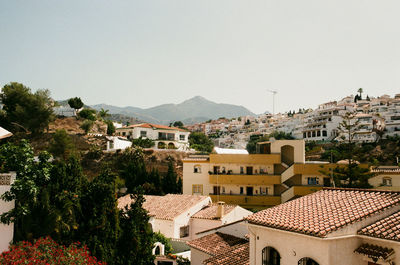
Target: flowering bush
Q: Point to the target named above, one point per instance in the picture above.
(46, 251)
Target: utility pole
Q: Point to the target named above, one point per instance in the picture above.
(274, 92)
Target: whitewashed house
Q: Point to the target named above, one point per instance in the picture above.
(117, 143)
(164, 137)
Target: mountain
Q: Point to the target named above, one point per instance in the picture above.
(196, 109)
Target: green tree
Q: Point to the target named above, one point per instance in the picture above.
(135, 243)
(132, 168)
(75, 103)
(104, 113)
(154, 179)
(178, 124)
(143, 142)
(360, 90)
(110, 127)
(22, 109)
(61, 145)
(159, 237)
(200, 142)
(87, 126)
(170, 180)
(88, 114)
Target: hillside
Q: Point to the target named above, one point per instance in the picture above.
(197, 109)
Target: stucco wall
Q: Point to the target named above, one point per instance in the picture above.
(190, 178)
(299, 148)
(197, 257)
(6, 231)
(377, 181)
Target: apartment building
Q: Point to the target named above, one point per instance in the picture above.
(164, 137)
(277, 173)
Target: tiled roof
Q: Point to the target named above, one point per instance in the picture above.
(210, 211)
(166, 207)
(155, 126)
(386, 228)
(325, 211)
(238, 255)
(216, 243)
(374, 252)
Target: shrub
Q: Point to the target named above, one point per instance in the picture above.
(61, 145)
(87, 126)
(89, 114)
(47, 251)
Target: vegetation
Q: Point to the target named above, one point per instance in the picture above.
(87, 126)
(110, 127)
(24, 110)
(56, 199)
(88, 114)
(200, 142)
(61, 145)
(45, 251)
(104, 113)
(171, 183)
(158, 237)
(143, 142)
(252, 144)
(75, 103)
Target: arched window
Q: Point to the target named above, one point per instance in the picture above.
(161, 145)
(270, 256)
(307, 261)
(197, 169)
(171, 146)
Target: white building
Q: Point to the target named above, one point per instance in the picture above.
(164, 137)
(117, 143)
(329, 227)
(6, 231)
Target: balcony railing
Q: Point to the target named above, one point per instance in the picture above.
(249, 201)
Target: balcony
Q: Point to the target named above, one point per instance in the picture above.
(260, 159)
(259, 179)
(297, 191)
(247, 201)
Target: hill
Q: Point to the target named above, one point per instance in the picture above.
(196, 109)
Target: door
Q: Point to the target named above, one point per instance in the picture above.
(217, 190)
(249, 170)
(249, 191)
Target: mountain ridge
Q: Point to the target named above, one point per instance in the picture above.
(193, 110)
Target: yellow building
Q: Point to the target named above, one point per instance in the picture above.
(386, 178)
(276, 174)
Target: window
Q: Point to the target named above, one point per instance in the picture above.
(123, 133)
(387, 181)
(324, 133)
(312, 181)
(143, 134)
(223, 189)
(241, 170)
(241, 190)
(270, 256)
(216, 169)
(197, 169)
(307, 261)
(304, 135)
(313, 134)
(184, 231)
(263, 190)
(197, 189)
(182, 137)
(318, 133)
(217, 190)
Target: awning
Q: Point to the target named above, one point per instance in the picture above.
(374, 252)
(4, 133)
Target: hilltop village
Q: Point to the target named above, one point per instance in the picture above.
(311, 187)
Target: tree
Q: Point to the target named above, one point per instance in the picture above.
(132, 168)
(110, 127)
(135, 243)
(87, 126)
(252, 144)
(143, 142)
(360, 90)
(200, 142)
(178, 124)
(88, 114)
(104, 113)
(159, 237)
(22, 109)
(75, 103)
(61, 145)
(170, 181)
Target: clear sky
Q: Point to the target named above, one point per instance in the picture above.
(150, 52)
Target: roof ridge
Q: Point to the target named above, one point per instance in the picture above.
(361, 189)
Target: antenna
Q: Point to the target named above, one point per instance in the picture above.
(274, 92)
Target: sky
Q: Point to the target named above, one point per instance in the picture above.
(152, 52)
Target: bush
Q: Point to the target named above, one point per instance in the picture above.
(87, 126)
(61, 145)
(200, 142)
(110, 127)
(88, 114)
(47, 251)
(144, 143)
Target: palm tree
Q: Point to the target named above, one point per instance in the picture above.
(360, 90)
(103, 113)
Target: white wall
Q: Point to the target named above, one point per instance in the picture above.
(197, 257)
(190, 178)
(6, 231)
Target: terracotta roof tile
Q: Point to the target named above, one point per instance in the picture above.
(373, 251)
(237, 255)
(216, 243)
(210, 211)
(386, 228)
(325, 211)
(166, 207)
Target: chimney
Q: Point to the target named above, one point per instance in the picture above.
(220, 209)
